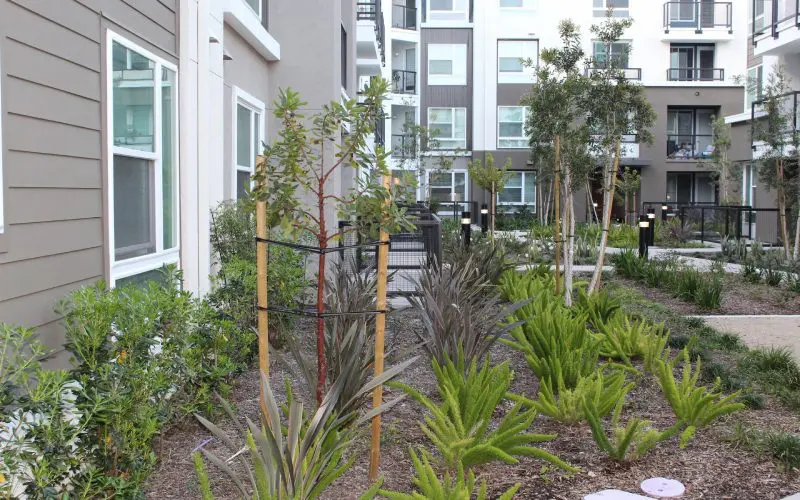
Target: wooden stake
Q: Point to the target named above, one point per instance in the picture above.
(261, 263)
(557, 183)
(380, 326)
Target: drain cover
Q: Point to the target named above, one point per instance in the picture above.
(663, 487)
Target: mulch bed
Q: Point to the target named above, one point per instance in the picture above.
(709, 466)
(738, 298)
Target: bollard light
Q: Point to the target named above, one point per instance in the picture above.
(664, 210)
(651, 238)
(644, 228)
(484, 217)
(466, 227)
(594, 212)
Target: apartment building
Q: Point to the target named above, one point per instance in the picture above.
(468, 82)
(124, 122)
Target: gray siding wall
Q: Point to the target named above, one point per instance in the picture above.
(448, 96)
(52, 67)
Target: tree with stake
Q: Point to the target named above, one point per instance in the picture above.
(303, 161)
(559, 133)
(492, 179)
(628, 185)
(616, 107)
(726, 173)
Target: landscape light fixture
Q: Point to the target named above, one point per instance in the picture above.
(466, 227)
(664, 210)
(484, 217)
(644, 228)
(651, 214)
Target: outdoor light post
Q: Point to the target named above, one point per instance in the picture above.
(484, 217)
(664, 210)
(651, 238)
(466, 227)
(594, 212)
(644, 226)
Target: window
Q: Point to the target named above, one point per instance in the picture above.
(143, 169)
(344, 58)
(689, 133)
(692, 63)
(511, 127)
(448, 127)
(510, 54)
(759, 19)
(447, 64)
(620, 52)
(755, 86)
(407, 178)
(448, 10)
(248, 139)
(255, 5)
(448, 187)
(518, 4)
(749, 186)
(621, 8)
(685, 187)
(520, 189)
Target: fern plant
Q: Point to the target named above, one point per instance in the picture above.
(628, 264)
(461, 425)
(694, 406)
(600, 307)
(624, 340)
(566, 405)
(459, 486)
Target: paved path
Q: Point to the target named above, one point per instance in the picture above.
(755, 331)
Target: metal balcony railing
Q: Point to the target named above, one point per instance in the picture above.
(697, 15)
(695, 74)
(786, 106)
(630, 73)
(689, 146)
(404, 82)
(768, 18)
(404, 17)
(380, 129)
(370, 10)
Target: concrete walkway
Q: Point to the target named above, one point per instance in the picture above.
(758, 331)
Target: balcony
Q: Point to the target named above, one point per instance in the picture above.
(403, 145)
(784, 107)
(404, 18)
(380, 130)
(404, 82)
(774, 25)
(698, 16)
(630, 73)
(370, 38)
(689, 146)
(696, 74)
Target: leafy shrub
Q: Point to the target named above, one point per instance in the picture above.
(772, 276)
(430, 487)
(557, 345)
(536, 284)
(694, 406)
(793, 283)
(674, 233)
(624, 340)
(750, 273)
(628, 264)
(490, 258)
(567, 405)
(461, 425)
(776, 367)
(687, 283)
(600, 306)
(733, 250)
(461, 316)
(709, 294)
(784, 447)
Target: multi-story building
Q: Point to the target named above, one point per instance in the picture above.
(470, 80)
(123, 123)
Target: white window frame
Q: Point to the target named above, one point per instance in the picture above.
(451, 172)
(458, 58)
(2, 185)
(523, 193)
(439, 138)
(459, 12)
(161, 257)
(750, 97)
(526, 6)
(417, 176)
(257, 11)
(601, 12)
(530, 49)
(524, 119)
(242, 98)
(628, 44)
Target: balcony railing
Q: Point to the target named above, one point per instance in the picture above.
(697, 15)
(404, 17)
(403, 145)
(689, 146)
(695, 74)
(630, 73)
(380, 130)
(404, 82)
(771, 17)
(370, 10)
(786, 106)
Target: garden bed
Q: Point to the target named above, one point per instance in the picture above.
(709, 466)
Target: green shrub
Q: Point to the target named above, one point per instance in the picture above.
(709, 294)
(460, 426)
(750, 273)
(600, 306)
(566, 405)
(772, 276)
(784, 447)
(628, 264)
(687, 283)
(623, 339)
(694, 406)
(793, 283)
(489, 257)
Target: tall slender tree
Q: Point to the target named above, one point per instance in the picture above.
(726, 173)
(491, 178)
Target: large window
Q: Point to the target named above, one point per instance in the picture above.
(689, 133)
(447, 187)
(754, 89)
(448, 127)
(690, 187)
(255, 5)
(621, 7)
(448, 10)
(692, 63)
(510, 57)
(520, 189)
(248, 134)
(618, 56)
(447, 64)
(511, 127)
(143, 169)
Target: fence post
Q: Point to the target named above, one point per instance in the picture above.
(261, 270)
(738, 231)
(702, 224)
(727, 223)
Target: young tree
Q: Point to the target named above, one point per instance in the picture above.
(726, 173)
(779, 140)
(616, 107)
(492, 179)
(302, 162)
(628, 185)
(418, 153)
(556, 117)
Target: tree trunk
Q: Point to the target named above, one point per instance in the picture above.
(492, 210)
(782, 206)
(796, 251)
(322, 369)
(557, 242)
(569, 230)
(627, 212)
(545, 218)
(610, 178)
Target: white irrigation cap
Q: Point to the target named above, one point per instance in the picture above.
(662, 487)
(615, 495)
